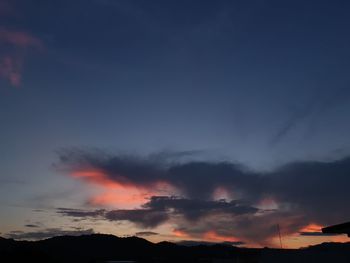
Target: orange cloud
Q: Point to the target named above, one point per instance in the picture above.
(125, 197)
(115, 193)
(317, 228)
(215, 237)
(96, 177)
(180, 233)
(293, 240)
(121, 194)
(311, 228)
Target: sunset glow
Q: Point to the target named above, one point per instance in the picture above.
(215, 237)
(113, 193)
(311, 228)
(180, 233)
(197, 121)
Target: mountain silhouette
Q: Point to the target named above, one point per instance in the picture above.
(100, 248)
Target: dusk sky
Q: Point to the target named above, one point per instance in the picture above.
(175, 119)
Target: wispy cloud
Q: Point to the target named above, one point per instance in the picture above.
(16, 45)
(323, 100)
(19, 39)
(10, 69)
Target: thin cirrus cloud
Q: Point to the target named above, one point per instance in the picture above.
(304, 194)
(16, 44)
(20, 39)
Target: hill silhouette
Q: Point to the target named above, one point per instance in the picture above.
(102, 248)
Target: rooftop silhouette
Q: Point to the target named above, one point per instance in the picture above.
(338, 229)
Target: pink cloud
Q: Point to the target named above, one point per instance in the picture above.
(19, 39)
(10, 69)
(122, 194)
(11, 62)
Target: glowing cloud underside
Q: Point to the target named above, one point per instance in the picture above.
(119, 194)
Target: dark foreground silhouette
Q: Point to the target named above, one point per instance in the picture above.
(104, 248)
(338, 229)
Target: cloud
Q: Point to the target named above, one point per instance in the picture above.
(182, 212)
(20, 39)
(46, 233)
(15, 45)
(160, 208)
(80, 213)
(191, 243)
(193, 209)
(192, 179)
(10, 68)
(322, 100)
(302, 193)
(316, 234)
(146, 234)
(292, 122)
(32, 226)
(146, 218)
(143, 217)
(316, 189)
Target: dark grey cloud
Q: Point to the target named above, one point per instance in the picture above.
(32, 225)
(200, 179)
(159, 209)
(146, 218)
(318, 190)
(195, 179)
(305, 192)
(182, 211)
(191, 243)
(316, 234)
(249, 228)
(79, 212)
(146, 234)
(168, 155)
(46, 233)
(193, 209)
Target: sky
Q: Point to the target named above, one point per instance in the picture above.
(199, 120)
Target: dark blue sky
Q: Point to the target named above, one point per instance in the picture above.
(260, 83)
